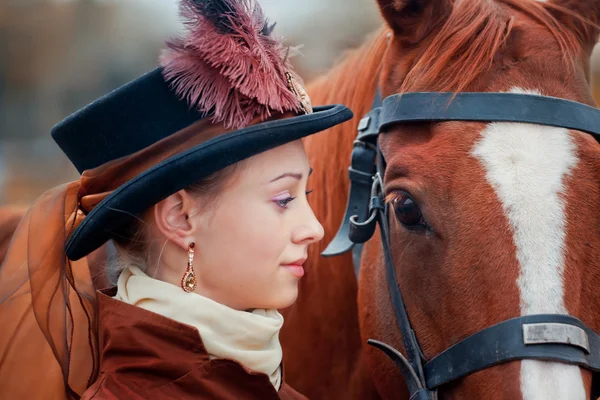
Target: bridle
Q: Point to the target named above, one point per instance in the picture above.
(548, 337)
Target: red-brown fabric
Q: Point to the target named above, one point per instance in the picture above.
(147, 356)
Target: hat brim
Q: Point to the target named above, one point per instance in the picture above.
(180, 171)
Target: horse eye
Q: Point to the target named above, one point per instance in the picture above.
(407, 211)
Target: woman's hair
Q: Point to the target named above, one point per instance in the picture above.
(132, 244)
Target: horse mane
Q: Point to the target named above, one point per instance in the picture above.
(353, 80)
(471, 37)
(467, 42)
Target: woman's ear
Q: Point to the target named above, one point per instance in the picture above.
(173, 218)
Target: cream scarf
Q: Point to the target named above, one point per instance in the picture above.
(251, 338)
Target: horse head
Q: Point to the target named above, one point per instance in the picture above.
(488, 221)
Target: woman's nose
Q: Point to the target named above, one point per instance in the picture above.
(310, 229)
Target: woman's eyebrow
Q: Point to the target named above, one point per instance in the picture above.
(294, 175)
(288, 175)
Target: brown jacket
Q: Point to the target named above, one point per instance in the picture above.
(147, 356)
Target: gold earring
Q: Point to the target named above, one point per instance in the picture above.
(188, 282)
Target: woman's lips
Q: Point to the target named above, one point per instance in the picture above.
(296, 267)
(296, 270)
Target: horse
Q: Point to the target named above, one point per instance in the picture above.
(495, 220)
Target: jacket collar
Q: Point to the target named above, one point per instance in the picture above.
(134, 338)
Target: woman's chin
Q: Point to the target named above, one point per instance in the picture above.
(284, 298)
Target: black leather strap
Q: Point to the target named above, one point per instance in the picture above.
(368, 127)
(413, 372)
(413, 351)
(413, 383)
(497, 107)
(504, 342)
(361, 171)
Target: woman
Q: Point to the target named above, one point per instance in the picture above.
(196, 175)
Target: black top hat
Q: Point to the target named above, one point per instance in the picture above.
(158, 105)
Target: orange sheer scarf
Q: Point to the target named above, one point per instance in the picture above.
(48, 337)
(9, 219)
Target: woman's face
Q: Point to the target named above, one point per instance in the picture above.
(252, 239)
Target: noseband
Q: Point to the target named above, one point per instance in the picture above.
(547, 337)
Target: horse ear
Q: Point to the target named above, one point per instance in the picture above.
(574, 13)
(413, 20)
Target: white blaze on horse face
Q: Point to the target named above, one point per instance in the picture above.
(527, 166)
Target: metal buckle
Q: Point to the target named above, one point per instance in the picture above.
(553, 332)
(377, 188)
(364, 123)
(365, 145)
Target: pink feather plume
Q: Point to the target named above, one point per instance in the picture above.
(229, 64)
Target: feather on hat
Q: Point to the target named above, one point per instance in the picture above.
(230, 65)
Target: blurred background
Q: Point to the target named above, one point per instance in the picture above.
(58, 55)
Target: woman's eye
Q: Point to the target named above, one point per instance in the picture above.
(407, 211)
(284, 202)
